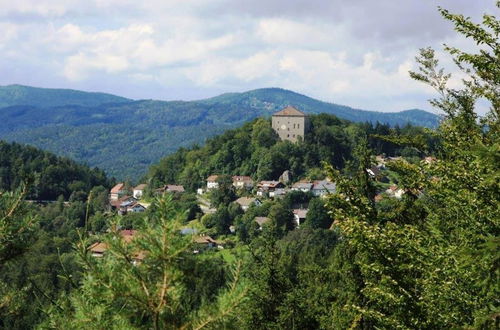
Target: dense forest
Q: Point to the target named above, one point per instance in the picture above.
(47, 175)
(426, 260)
(124, 137)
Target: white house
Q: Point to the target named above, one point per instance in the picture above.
(242, 182)
(135, 208)
(212, 182)
(304, 186)
(117, 191)
(139, 190)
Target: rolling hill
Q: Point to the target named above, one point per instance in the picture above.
(125, 136)
(50, 97)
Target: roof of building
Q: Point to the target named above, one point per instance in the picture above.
(189, 231)
(128, 203)
(135, 205)
(174, 188)
(101, 247)
(301, 213)
(261, 220)
(245, 201)
(242, 178)
(269, 184)
(139, 256)
(128, 235)
(303, 185)
(212, 178)
(204, 240)
(324, 184)
(280, 191)
(98, 247)
(290, 111)
(117, 188)
(142, 186)
(121, 200)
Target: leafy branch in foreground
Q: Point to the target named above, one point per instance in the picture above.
(431, 259)
(17, 225)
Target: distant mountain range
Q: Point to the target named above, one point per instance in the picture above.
(124, 136)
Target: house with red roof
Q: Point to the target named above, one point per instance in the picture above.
(117, 191)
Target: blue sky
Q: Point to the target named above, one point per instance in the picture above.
(355, 52)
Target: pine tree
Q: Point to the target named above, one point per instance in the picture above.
(140, 284)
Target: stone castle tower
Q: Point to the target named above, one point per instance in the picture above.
(290, 123)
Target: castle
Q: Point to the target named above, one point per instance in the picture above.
(290, 123)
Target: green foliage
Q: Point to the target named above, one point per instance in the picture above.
(48, 176)
(240, 152)
(431, 259)
(46, 97)
(146, 283)
(225, 193)
(289, 286)
(16, 225)
(317, 216)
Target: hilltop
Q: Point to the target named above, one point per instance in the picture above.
(124, 136)
(50, 97)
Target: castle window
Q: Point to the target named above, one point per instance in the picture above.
(288, 135)
(298, 125)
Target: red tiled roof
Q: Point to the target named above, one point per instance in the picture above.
(142, 186)
(290, 111)
(116, 189)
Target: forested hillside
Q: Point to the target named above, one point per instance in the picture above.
(46, 175)
(255, 150)
(48, 97)
(124, 138)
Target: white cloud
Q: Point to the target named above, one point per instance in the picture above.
(356, 53)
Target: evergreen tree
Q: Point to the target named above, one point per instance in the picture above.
(435, 264)
(141, 284)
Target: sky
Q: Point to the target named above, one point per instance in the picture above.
(351, 52)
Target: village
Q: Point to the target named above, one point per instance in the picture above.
(289, 124)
